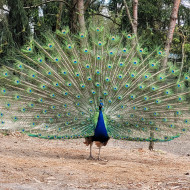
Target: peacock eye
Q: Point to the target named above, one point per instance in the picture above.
(50, 45)
(40, 60)
(97, 84)
(160, 52)
(29, 48)
(63, 31)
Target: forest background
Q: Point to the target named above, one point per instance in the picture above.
(150, 20)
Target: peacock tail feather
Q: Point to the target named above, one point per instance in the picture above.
(55, 85)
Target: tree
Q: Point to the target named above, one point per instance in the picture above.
(134, 27)
(18, 22)
(135, 15)
(170, 33)
(59, 16)
(81, 20)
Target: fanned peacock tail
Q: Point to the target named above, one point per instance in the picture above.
(55, 86)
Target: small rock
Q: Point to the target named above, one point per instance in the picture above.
(71, 173)
(51, 178)
(187, 173)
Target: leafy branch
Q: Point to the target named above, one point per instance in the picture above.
(34, 6)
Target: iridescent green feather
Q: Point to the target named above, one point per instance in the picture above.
(54, 88)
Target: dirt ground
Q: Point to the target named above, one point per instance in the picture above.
(28, 163)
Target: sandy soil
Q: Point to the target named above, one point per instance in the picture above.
(28, 163)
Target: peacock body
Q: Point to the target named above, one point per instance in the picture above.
(94, 84)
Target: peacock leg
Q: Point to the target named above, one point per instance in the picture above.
(90, 157)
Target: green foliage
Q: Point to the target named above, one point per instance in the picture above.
(18, 22)
(153, 21)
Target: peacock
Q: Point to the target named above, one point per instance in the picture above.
(95, 85)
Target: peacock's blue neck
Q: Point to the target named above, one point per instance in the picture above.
(100, 131)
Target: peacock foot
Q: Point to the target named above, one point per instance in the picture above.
(90, 158)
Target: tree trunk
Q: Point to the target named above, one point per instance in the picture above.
(129, 15)
(87, 5)
(173, 19)
(133, 21)
(81, 20)
(135, 15)
(82, 27)
(73, 17)
(59, 15)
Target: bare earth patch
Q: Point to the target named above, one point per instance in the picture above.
(28, 163)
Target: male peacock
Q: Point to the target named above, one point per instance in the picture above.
(95, 86)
